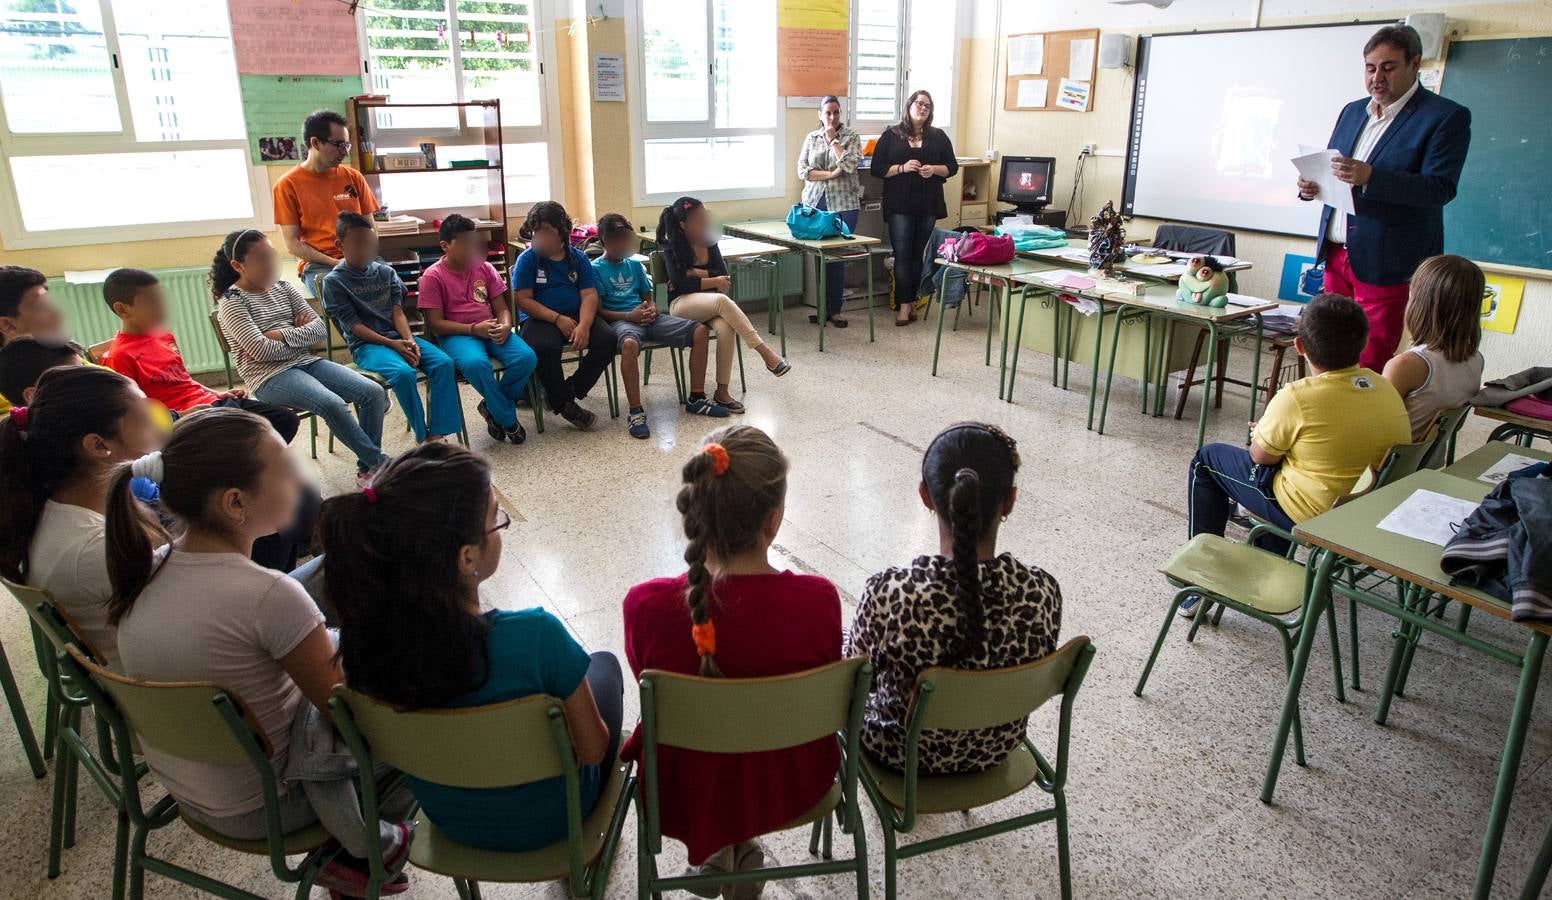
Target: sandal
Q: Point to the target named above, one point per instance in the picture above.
(780, 368)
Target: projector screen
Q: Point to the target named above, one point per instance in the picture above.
(1216, 117)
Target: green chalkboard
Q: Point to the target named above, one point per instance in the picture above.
(275, 105)
(1503, 212)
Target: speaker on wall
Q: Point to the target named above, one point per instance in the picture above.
(1115, 51)
(1429, 27)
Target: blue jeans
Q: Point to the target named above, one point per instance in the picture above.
(835, 273)
(311, 271)
(329, 390)
(472, 356)
(908, 237)
(440, 380)
(1222, 475)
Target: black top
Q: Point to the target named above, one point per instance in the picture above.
(679, 281)
(908, 193)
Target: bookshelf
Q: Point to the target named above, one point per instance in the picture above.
(427, 160)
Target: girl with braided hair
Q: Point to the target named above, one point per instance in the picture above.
(968, 607)
(734, 615)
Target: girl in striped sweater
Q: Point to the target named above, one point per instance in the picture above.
(271, 328)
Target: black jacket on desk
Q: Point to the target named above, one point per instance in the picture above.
(680, 282)
(1504, 548)
(908, 193)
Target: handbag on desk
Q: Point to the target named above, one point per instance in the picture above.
(808, 223)
(979, 249)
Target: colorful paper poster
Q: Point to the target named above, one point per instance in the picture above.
(294, 37)
(1291, 285)
(1501, 303)
(274, 107)
(811, 47)
(1073, 95)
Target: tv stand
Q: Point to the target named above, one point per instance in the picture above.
(1041, 215)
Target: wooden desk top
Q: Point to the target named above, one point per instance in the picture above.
(1499, 414)
(1351, 531)
(1016, 270)
(1486, 456)
(776, 231)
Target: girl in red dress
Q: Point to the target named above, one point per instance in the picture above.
(734, 615)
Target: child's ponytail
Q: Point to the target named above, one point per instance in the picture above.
(128, 535)
(731, 486)
(964, 516)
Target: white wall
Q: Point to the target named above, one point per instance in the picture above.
(1063, 134)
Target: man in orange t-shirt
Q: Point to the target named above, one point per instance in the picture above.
(310, 197)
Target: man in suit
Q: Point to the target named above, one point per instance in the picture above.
(1401, 149)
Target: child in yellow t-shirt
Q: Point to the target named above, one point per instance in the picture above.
(1315, 438)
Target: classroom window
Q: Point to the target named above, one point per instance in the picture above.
(708, 117)
(440, 51)
(900, 46)
(122, 119)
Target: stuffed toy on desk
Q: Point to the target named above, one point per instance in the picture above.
(1204, 282)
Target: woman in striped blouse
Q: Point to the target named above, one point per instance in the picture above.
(271, 328)
(827, 166)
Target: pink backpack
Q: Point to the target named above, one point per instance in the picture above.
(978, 248)
(1536, 406)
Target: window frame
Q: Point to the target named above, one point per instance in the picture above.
(546, 132)
(17, 236)
(904, 9)
(643, 131)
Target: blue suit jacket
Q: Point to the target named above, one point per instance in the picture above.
(1400, 212)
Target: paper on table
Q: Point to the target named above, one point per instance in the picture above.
(1026, 54)
(1080, 59)
(1315, 165)
(1157, 270)
(1031, 92)
(1501, 470)
(1076, 254)
(1245, 300)
(1428, 516)
(91, 276)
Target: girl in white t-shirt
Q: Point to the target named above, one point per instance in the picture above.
(1443, 367)
(203, 611)
(58, 451)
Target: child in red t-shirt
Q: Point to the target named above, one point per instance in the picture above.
(146, 352)
(767, 623)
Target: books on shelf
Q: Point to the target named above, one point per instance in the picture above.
(400, 225)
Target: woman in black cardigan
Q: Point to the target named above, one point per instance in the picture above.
(914, 159)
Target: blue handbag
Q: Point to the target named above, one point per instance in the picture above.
(808, 223)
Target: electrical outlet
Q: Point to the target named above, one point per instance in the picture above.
(1090, 149)
(993, 153)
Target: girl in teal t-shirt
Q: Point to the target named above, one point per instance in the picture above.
(403, 562)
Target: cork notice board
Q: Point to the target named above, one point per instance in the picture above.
(1056, 67)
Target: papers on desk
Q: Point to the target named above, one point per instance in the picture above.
(1157, 270)
(1428, 516)
(1229, 262)
(1315, 165)
(1501, 470)
(1069, 280)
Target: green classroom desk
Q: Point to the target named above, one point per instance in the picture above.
(1350, 533)
(1127, 267)
(1486, 456)
(1004, 277)
(744, 252)
(775, 231)
(1154, 300)
(1523, 430)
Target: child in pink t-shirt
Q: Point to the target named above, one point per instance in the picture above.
(462, 298)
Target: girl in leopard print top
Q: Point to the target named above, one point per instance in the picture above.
(966, 607)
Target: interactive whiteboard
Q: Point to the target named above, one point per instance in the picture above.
(1216, 117)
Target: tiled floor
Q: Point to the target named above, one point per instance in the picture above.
(1162, 790)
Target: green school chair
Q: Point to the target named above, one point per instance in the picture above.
(961, 700)
(24, 732)
(1538, 870)
(199, 722)
(753, 715)
(1262, 585)
(226, 361)
(52, 632)
(331, 326)
(523, 741)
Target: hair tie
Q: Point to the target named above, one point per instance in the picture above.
(21, 417)
(370, 493)
(719, 459)
(705, 636)
(967, 474)
(149, 467)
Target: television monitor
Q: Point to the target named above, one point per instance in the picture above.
(1026, 181)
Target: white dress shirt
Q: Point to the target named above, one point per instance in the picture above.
(1374, 128)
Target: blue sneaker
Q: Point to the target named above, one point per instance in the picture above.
(1188, 606)
(637, 419)
(701, 405)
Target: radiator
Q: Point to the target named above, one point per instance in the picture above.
(89, 320)
(753, 283)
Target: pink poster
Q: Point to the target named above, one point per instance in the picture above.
(294, 37)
